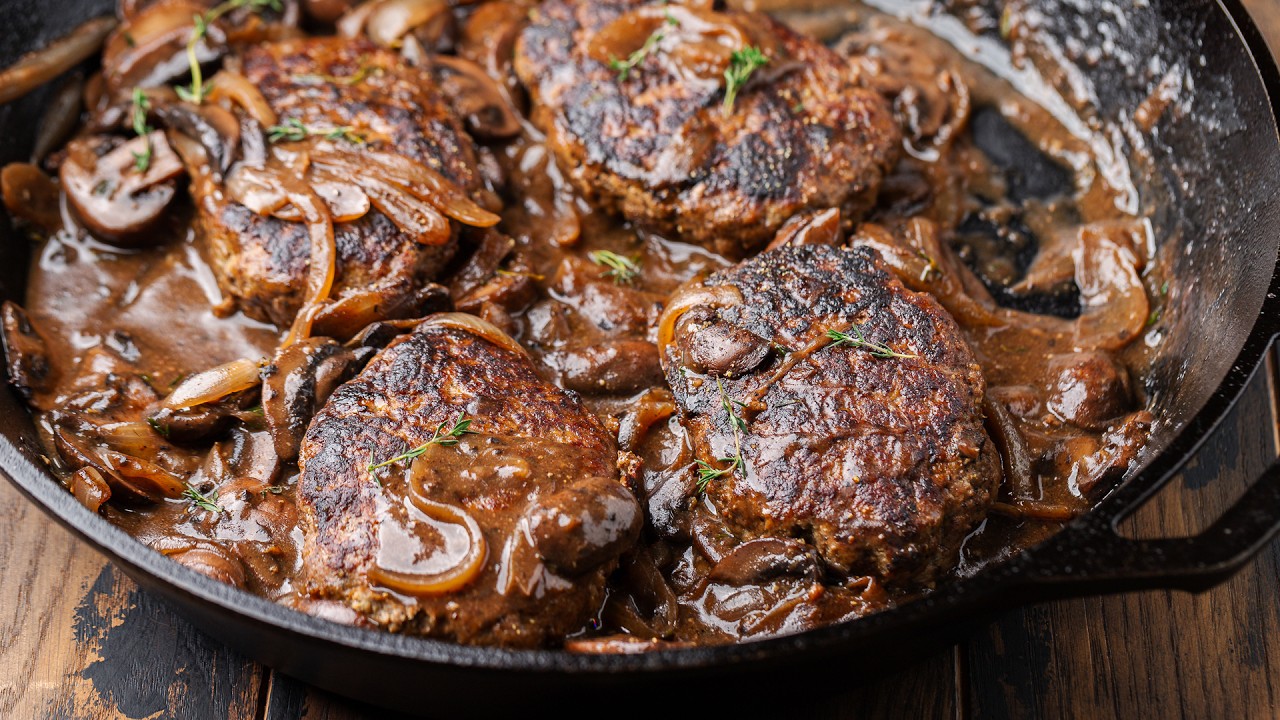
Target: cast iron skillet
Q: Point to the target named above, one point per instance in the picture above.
(1212, 190)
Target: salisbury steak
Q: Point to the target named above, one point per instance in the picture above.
(856, 405)
(360, 100)
(501, 531)
(632, 97)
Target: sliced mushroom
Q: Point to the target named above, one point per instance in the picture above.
(718, 348)
(215, 128)
(476, 98)
(297, 383)
(766, 559)
(117, 196)
(151, 47)
(26, 354)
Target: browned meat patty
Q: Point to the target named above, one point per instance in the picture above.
(881, 461)
(660, 146)
(535, 474)
(325, 84)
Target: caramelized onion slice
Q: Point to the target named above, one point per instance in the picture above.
(235, 88)
(39, 67)
(345, 199)
(419, 180)
(213, 384)
(456, 577)
(1115, 304)
(475, 326)
(391, 20)
(415, 218)
(31, 195)
(476, 98)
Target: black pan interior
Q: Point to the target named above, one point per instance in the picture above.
(1209, 179)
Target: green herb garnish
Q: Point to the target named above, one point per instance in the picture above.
(360, 75)
(294, 130)
(441, 437)
(196, 92)
(203, 501)
(161, 429)
(138, 113)
(741, 64)
(619, 267)
(858, 340)
(708, 472)
(624, 67)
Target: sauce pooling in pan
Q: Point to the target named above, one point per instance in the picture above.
(611, 326)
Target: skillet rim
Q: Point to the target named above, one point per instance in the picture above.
(959, 596)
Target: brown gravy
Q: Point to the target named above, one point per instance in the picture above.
(1067, 422)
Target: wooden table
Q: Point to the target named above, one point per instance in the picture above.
(79, 640)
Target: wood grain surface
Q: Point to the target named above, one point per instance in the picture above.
(80, 640)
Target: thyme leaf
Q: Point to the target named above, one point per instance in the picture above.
(161, 429)
(294, 130)
(708, 472)
(619, 267)
(138, 114)
(366, 70)
(199, 89)
(203, 501)
(442, 437)
(624, 67)
(741, 64)
(860, 341)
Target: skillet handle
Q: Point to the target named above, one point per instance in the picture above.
(1102, 561)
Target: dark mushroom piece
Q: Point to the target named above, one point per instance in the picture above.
(117, 196)
(476, 98)
(584, 525)
(215, 128)
(298, 382)
(26, 354)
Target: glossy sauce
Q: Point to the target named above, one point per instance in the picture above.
(157, 315)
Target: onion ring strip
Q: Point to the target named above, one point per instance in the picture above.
(476, 326)
(417, 179)
(451, 580)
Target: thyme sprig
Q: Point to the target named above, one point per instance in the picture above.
(442, 437)
(624, 67)
(619, 267)
(204, 501)
(366, 70)
(138, 114)
(707, 471)
(741, 64)
(294, 130)
(860, 341)
(198, 89)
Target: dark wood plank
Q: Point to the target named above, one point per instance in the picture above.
(78, 639)
(1156, 654)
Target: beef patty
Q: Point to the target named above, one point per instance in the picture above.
(853, 404)
(502, 531)
(316, 87)
(632, 97)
